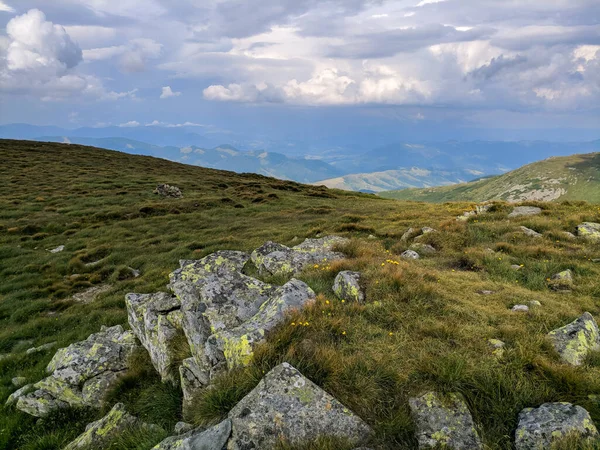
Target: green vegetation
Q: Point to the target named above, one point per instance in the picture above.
(424, 324)
(562, 178)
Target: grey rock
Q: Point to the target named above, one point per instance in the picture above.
(167, 190)
(89, 295)
(101, 434)
(215, 438)
(410, 254)
(574, 341)
(538, 428)
(15, 396)
(562, 281)
(19, 381)
(193, 378)
(423, 249)
(410, 233)
(286, 405)
(58, 249)
(39, 403)
(534, 303)
(41, 348)
(516, 267)
(485, 292)
(134, 272)
(444, 422)
(498, 347)
(483, 208)
(183, 427)
(427, 230)
(520, 308)
(347, 286)
(529, 232)
(589, 230)
(525, 211)
(371, 237)
(568, 235)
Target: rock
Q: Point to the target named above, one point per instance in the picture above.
(534, 303)
(568, 235)
(287, 406)
(215, 438)
(423, 249)
(82, 373)
(193, 378)
(41, 348)
(167, 190)
(19, 381)
(410, 254)
(371, 237)
(58, 249)
(427, 230)
(156, 320)
(101, 434)
(182, 427)
(525, 211)
(483, 208)
(520, 308)
(589, 230)
(89, 295)
(516, 267)
(15, 396)
(444, 422)
(497, 346)
(538, 428)
(530, 232)
(347, 286)
(574, 341)
(561, 281)
(134, 272)
(411, 232)
(485, 292)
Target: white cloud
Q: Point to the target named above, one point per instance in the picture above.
(130, 124)
(168, 92)
(6, 8)
(133, 56)
(88, 36)
(427, 2)
(157, 123)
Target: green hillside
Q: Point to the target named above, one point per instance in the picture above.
(560, 178)
(424, 326)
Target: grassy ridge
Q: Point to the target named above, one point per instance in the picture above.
(424, 325)
(562, 178)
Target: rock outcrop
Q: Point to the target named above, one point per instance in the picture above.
(574, 341)
(287, 406)
(214, 438)
(347, 286)
(529, 232)
(167, 190)
(423, 249)
(538, 428)
(525, 211)
(444, 422)
(100, 435)
(589, 230)
(82, 373)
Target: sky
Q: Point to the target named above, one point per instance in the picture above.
(434, 69)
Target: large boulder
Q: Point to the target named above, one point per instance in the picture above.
(444, 422)
(574, 341)
(561, 281)
(589, 230)
(347, 286)
(277, 259)
(525, 211)
(538, 428)
(156, 319)
(287, 406)
(423, 249)
(82, 373)
(166, 190)
(101, 434)
(215, 438)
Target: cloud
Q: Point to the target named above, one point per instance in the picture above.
(130, 124)
(167, 92)
(133, 56)
(6, 8)
(157, 123)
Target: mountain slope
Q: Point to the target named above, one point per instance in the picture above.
(574, 177)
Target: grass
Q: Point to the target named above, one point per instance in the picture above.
(424, 324)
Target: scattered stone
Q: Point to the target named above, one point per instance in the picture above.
(485, 292)
(423, 249)
(427, 230)
(520, 308)
(525, 211)
(411, 232)
(167, 190)
(101, 434)
(89, 295)
(444, 422)
(347, 286)
(516, 267)
(561, 281)
(568, 235)
(19, 381)
(215, 438)
(574, 341)
(41, 348)
(15, 396)
(134, 272)
(539, 427)
(183, 427)
(58, 249)
(371, 237)
(534, 303)
(82, 373)
(497, 346)
(287, 406)
(589, 230)
(530, 232)
(410, 254)
(466, 216)
(483, 208)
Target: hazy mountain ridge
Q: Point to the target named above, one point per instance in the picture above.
(574, 177)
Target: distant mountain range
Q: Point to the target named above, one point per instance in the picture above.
(575, 177)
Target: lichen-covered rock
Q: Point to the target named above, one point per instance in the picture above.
(410, 254)
(561, 281)
(183, 427)
(193, 378)
(82, 373)
(236, 346)
(215, 438)
(444, 422)
(410, 233)
(156, 320)
(287, 406)
(529, 232)
(41, 348)
(15, 396)
(497, 347)
(347, 286)
(574, 341)
(101, 434)
(19, 381)
(538, 428)
(525, 211)
(589, 230)
(267, 248)
(423, 249)
(167, 190)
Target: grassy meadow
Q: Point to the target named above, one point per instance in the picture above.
(424, 325)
